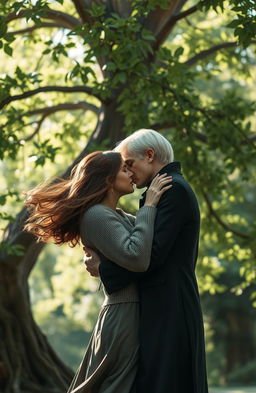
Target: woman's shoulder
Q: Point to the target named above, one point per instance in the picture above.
(96, 211)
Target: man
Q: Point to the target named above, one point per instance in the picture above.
(172, 354)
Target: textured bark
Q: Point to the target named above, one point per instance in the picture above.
(27, 361)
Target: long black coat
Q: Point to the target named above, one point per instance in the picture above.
(172, 353)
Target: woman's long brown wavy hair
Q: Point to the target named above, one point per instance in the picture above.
(55, 208)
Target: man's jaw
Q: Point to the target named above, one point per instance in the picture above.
(139, 186)
(137, 183)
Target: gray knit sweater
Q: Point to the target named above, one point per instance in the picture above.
(122, 238)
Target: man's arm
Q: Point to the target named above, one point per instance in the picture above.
(115, 277)
(92, 261)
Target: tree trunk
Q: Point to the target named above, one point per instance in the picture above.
(240, 347)
(27, 362)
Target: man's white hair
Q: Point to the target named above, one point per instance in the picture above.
(141, 140)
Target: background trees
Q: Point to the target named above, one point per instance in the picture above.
(78, 76)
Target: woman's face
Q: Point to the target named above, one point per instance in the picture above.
(123, 183)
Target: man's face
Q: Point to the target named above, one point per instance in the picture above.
(140, 167)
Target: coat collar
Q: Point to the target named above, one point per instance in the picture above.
(173, 167)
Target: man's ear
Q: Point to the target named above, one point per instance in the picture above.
(150, 154)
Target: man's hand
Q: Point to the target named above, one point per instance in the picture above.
(92, 261)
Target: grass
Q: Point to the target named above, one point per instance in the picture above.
(233, 390)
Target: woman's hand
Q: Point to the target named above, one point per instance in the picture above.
(157, 187)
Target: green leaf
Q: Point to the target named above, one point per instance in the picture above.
(2, 199)
(234, 23)
(179, 51)
(46, 51)
(9, 37)
(122, 77)
(96, 10)
(3, 26)
(14, 249)
(147, 35)
(111, 66)
(40, 161)
(8, 50)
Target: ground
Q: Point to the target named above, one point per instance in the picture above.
(233, 390)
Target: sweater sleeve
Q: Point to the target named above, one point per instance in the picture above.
(102, 230)
(131, 218)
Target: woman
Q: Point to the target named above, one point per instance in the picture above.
(85, 207)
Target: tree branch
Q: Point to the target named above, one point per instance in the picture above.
(81, 10)
(66, 20)
(64, 89)
(47, 111)
(199, 136)
(170, 23)
(35, 27)
(207, 114)
(63, 107)
(39, 125)
(251, 139)
(211, 50)
(220, 221)
(162, 126)
(185, 13)
(159, 17)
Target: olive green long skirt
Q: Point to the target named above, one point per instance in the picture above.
(110, 361)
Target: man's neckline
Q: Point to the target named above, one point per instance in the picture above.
(175, 165)
(172, 165)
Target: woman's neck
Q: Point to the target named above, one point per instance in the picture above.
(110, 201)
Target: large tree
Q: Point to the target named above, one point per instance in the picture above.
(124, 65)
